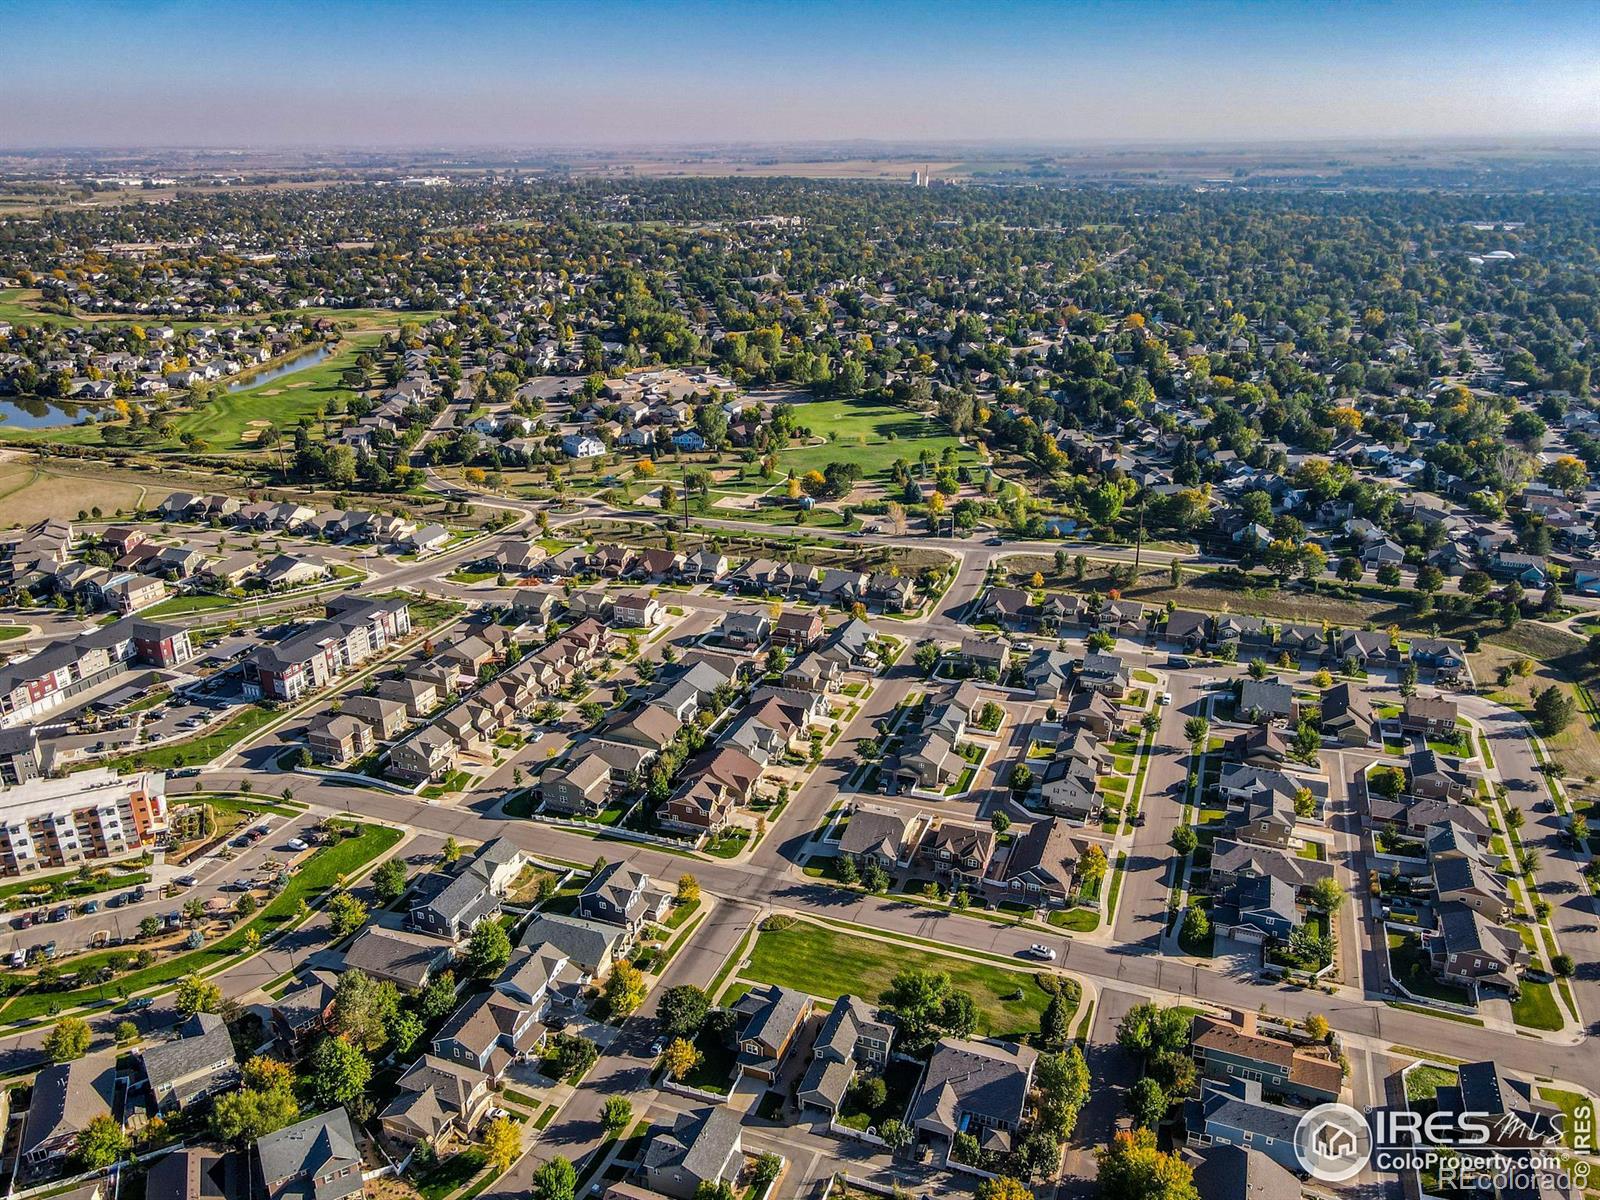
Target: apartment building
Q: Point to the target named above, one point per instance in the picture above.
(45, 680)
(96, 814)
(353, 632)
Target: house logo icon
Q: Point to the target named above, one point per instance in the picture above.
(1333, 1142)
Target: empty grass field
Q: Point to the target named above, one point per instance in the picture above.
(829, 963)
(870, 434)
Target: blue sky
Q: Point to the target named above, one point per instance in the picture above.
(466, 72)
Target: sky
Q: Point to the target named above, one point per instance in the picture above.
(524, 73)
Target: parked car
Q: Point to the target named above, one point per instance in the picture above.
(185, 881)
(60, 914)
(1164, 698)
(93, 906)
(138, 894)
(1042, 952)
(48, 950)
(298, 844)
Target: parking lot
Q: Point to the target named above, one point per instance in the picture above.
(113, 918)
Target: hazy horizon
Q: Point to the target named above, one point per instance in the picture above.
(418, 73)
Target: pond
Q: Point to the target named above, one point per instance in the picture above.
(33, 413)
(299, 363)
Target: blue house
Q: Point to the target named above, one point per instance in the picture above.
(688, 439)
(1529, 569)
(1232, 1113)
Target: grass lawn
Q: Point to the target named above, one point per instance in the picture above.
(1079, 920)
(444, 1178)
(67, 884)
(861, 433)
(322, 871)
(1409, 965)
(1536, 1008)
(452, 782)
(174, 606)
(1460, 1018)
(197, 750)
(7, 632)
(728, 844)
(831, 963)
(1580, 1117)
(1424, 1081)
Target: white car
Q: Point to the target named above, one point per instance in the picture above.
(298, 844)
(1164, 698)
(1041, 952)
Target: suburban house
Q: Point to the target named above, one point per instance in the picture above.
(66, 1097)
(591, 946)
(878, 835)
(1232, 1112)
(581, 790)
(620, 895)
(1263, 701)
(1347, 715)
(426, 756)
(978, 1087)
(1432, 777)
(407, 960)
(337, 738)
(1430, 716)
(1104, 673)
(928, 763)
(1226, 1172)
(852, 1035)
(700, 1148)
(385, 715)
(199, 1062)
(797, 628)
(1237, 1049)
(314, 1159)
(304, 1011)
(488, 1032)
(1040, 867)
(958, 854)
(1067, 788)
(450, 906)
(436, 1097)
(1257, 908)
(1093, 711)
(769, 1019)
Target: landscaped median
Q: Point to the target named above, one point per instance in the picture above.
(325, 869)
